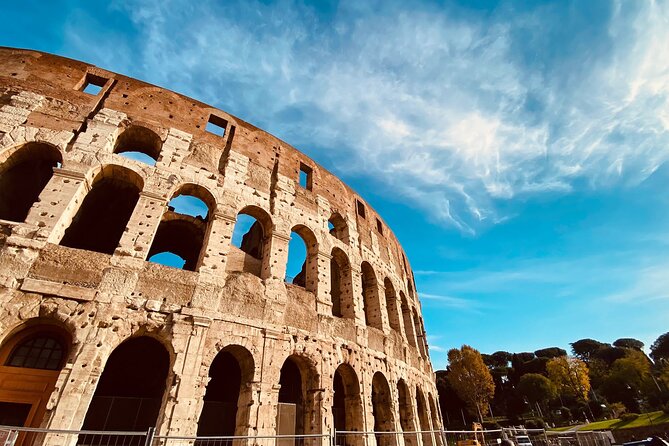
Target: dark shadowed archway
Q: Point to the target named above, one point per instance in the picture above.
(382, 411)
(104, 213)
(23, 176)
(346, 403)
(226, 400)
(129, 394)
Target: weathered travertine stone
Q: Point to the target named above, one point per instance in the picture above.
(229, 301)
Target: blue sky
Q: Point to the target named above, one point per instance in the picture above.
(517, 149)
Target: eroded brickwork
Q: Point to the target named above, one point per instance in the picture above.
(228, 300)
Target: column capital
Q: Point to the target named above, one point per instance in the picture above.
(152, 196)
(67, 173)
(219, 215)
(285, 238)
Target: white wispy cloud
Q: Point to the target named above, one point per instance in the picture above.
(438, 107)
(651, 284)
(449, 301)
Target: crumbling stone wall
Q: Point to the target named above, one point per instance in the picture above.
(226, 301)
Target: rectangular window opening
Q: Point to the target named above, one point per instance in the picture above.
(305, 176)
(217, 125)
(361, 208)
(379, 226)
(93, 84)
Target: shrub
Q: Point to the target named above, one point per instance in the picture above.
(665, 408)
(536, 423)
(626, 417)
(565, 413)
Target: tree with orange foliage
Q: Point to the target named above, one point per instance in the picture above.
(471, 379)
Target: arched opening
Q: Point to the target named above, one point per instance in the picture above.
(420, 335)
(31, 361)
(341, 285)
(421, 408)
(436, 425)
(408, 320)
(183, 228)
(391, 305)
(406, 414)
(382, 411)
(346, 403)
(140, 144)
(23, 175)
(129, 394)
(338, 227)
(250, 241)
(302, 265)
(104, 213)
(370, 296)
(223, 411)
(297, 411)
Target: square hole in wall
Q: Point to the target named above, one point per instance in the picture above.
(379, 226)
(361, 208)
(93, 84)
(306, 176)
(216, 125)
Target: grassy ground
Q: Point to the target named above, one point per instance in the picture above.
(645, 419)
(560, 429)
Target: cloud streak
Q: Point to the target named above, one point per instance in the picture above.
(451, 111)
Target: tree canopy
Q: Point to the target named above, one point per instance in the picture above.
(536, 388)
(629, 343)
(471, 379)
(660, 348)
(583, 349)
(550, 352)
(570, 376)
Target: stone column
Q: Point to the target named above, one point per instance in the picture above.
(217, 244)
(274, 261)
(142, 226)
(80, 379)
(185, 401)
(323, 297)
(356, 279)
(383, 308)
(268, 396)
(58, 202)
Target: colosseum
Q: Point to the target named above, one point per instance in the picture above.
(98, 335)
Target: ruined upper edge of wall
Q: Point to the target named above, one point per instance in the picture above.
(59, 79)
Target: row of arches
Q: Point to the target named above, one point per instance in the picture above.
(114, 192)
(131, 391)
(182, 233)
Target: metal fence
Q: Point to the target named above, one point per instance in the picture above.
(25, 436)
(255, 440)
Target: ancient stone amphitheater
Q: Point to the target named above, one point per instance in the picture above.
(97, 335)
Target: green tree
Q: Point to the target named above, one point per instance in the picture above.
(536, 388)
(471, 379)
(608, 354)
(550, 352)
(633, 369)
(632, 343)
(569, 376)
(449, 401)
(627, 379)
(583, 349)
(501, 358)
(660, 348)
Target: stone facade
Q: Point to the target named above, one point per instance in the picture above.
(361, 326)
